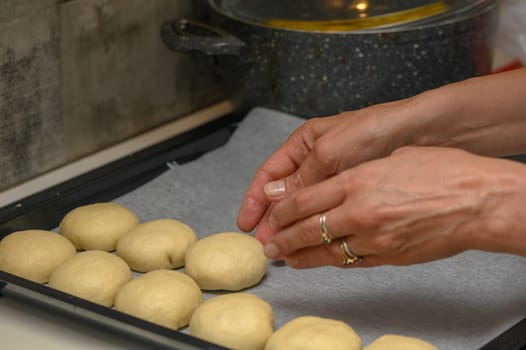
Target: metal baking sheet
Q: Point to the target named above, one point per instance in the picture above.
(460, 303)
(457, 303)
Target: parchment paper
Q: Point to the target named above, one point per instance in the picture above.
(459, 303)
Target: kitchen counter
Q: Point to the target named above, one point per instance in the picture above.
(27, 327)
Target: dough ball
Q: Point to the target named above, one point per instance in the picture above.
(314, 333)
(154, 245)
(94, 275)
(34, 254)
(237, 321)
(97, 226)
(399, 342)
(164, 297)
(227, 261)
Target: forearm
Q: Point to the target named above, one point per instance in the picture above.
(484, 115)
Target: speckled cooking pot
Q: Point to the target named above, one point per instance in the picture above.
(313, 73)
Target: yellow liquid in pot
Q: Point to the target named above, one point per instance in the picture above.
(414, 14)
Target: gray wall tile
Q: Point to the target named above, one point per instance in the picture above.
(77, 76)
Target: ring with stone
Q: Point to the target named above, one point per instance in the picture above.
(326, 236)
(349, 257)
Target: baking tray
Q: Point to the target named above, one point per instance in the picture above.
(45, 210)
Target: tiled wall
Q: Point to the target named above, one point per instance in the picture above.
(79, 75)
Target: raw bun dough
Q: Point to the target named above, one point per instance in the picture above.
(98, 226)
(399, 342)
(165, 297)
(314, 333)
(94, 275)
(34, 254)
(154, 245)
(237, 321)
(228, 261)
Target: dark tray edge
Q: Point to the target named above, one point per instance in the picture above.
(97, 316)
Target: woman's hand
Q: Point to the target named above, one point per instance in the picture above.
(321, 148)
(482, 115)
(417, 205)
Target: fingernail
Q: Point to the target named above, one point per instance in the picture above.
(275, 188)
(271, 251)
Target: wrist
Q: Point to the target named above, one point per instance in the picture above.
(502, 224)
(436, 115)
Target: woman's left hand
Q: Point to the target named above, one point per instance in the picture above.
(417, 205)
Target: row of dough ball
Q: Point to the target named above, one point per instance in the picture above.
(223, 261)
(316, 333)
(226, 261)
(243, 321)
(165, 297)
(215, 262)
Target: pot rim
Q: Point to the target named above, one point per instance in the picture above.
(476, 8)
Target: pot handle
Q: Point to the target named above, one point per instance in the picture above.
(191, 37)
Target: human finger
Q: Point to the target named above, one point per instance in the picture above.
(308, 201)
(264, 232)
(283, 162)
(318, 229)
(322, 162)
(304, 233)
(330, 255)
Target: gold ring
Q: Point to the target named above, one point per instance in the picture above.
(326, 237)
(348, 257)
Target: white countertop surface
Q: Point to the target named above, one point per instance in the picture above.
(27, 327)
